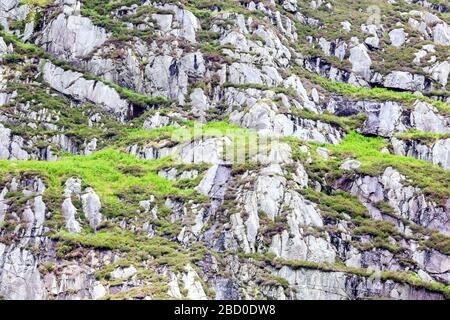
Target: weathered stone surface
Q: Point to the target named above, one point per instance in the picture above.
(193, 286)
(405, 81)
(440, 72)
(91, 207)
(350, 164)
(214, 64)
(360, 61)
(437, 153)
(425, 118)
(73, 84)
(72, 37)
(407, 201)
(69, 211)
(397, 37)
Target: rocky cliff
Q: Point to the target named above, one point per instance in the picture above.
(275, 149)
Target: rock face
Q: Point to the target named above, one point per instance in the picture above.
(440, 72)
(69, 211)
(11, 146)
(338, 288)
(405, 81)
(239, 150)
(91, 207)
(20, 277)
(437, 153)
(360, 61)
(72, 37)
(397, 37)
(406, 201)
(73, 84)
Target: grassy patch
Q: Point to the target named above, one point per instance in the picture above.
(345, 123)
(376, 94)
(422, 137)
(104, 171)
(433, 180)
(336, 204)
(399, 277)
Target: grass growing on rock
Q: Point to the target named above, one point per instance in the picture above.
(40, 3)
(190, 131)
(423, 137)
(33, 51)
(432, 180)
(374, 94)
(103, 171)
(397, 276)
(336, 204)
(162, 251)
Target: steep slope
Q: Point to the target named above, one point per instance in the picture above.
(224, 149)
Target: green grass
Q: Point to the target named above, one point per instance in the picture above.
(409, 278)
(347, 124)
(39, 3)
(423, 137)
(190, 131)
(32, 51)
(164, 251)
(336, 204)
(104, 172)
(376, 94)
(433, 180)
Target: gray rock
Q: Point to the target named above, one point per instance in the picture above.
(437, 153)
(407, 201)
(5, 141)
(426, 118)
(373, 42)
(72, 185)
(169, 174)
(192, 285)
(346, 26)
(289, 5)
(405, 81)
(20, 278)
(8, 5)
(397, 37)
(199, 101)
(39, 211)
(441, 34)
(69, 212)
(174, 288)
(3, 47)
(72, 37)
(91, 207)
(300, 248)
(360, 61)
(156, 121)
(3, 206)
(214, 182)
(419, 26)
(322, 152)
(441, 153)
(90, 147)
(189, 24)
(244, 73)
(164, 21)
(385, 120)
(440, 72)
(123, 273)
(207, 151)
(73, 84)
(350, 164)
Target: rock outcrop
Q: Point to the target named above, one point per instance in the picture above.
(230, 150)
